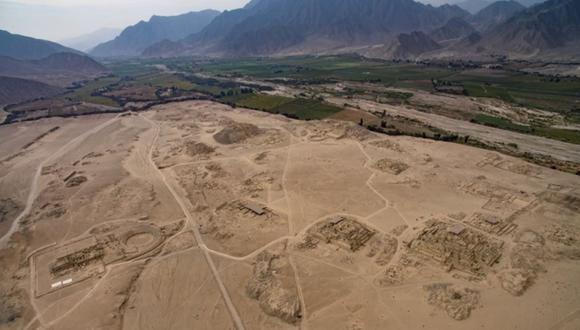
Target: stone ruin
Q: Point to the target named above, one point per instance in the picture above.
(77, 260)
(492, 224)
(342, 231)
(457, 247)
(249, 207)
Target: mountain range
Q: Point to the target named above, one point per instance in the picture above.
(304, 26)
(385, 29)
(388, 29)
(135, 39)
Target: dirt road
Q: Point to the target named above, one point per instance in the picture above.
(225, 295)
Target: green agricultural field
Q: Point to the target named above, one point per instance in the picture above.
(325, 68)
(305, 109)
(502, 123)
(261, 102)
(571, 136)
(566, 135)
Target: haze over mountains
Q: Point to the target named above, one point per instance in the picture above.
(474, 6)
(87, 42)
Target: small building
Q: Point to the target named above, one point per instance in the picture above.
(255, 208)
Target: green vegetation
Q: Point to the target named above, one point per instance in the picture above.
(307, 69)
(85, 93)
(566, 135)
(501, 123)
(260, 101)
(305, 109)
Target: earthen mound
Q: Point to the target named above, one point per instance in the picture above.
(391, 166)
(193, 148)
(516, 281)
(458, 303)
(236, 133)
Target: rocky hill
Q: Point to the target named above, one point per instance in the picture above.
(455, 28)
(413, 44)
(16, 90)
(26, 48)
(135, 39)
(543, 28)
(58, 69)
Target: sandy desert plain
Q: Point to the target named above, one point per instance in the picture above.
(195, 215)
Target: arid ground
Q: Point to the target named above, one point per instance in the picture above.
(195, 215)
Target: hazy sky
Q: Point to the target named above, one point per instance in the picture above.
(61, 19)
